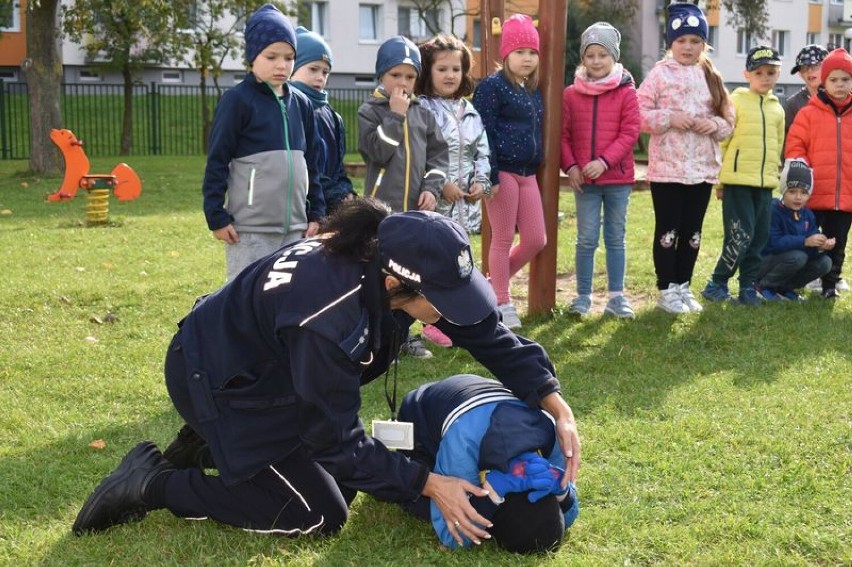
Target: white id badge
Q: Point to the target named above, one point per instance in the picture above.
(394, 434)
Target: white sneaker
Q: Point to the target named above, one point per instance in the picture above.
(689, 300)
(841, 285)
(510, 315)
(815, 285)
(671, 300)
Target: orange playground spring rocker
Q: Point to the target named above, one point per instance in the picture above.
(123, 181)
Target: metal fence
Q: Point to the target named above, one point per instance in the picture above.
(167, 119)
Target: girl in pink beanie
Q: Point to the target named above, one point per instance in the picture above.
(511, 108)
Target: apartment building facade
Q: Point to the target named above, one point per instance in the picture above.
(355, 28)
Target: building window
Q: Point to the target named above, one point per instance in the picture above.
(835, 40)
(10, 16)
(811, 37)
(9, 75)
(417, 24)
(476, 40)
(837, 1)
(190, 16)
(88, 76)
(745, 41)
(172, 76)
(238, 78)
(368, 16)
(364, 81)
(317, 15)
(713, 36)
(779, 41)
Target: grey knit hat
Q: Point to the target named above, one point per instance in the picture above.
(603, 34)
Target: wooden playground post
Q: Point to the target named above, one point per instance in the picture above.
(552, 23)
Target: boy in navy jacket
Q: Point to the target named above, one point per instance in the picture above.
(794, 255)
(474, 428)
(263, 152)
(310, 75)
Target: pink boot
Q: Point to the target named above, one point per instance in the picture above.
(434, 335)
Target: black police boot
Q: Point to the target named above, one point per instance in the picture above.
(120, 497)
(189, 450)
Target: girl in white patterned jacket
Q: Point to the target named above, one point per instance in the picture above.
(683, 104)
(442, 88)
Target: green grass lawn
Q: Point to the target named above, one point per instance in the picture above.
(723, 438)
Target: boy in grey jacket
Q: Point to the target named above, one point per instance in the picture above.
(402, 145)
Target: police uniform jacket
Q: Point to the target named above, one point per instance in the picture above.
(275, 359)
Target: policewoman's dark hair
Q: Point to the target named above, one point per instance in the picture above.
(353, 227)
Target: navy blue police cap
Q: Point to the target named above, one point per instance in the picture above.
(431, 254)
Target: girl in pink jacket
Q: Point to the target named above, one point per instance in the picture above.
(683, 104)
(600, 126)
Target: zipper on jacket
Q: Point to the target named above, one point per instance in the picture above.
(594, 130)
(839, 169)
(763, 159)
(531, 101)
(462, 209)
(283, 108)
(251, 187)
(407, 164)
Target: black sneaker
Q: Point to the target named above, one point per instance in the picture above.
(189, 450)
(120, 497)
(830, 293)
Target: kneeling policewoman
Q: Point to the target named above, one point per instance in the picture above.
(266, 373)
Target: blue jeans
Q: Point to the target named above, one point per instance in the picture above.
(612, 200)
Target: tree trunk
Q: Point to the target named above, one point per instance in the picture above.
(205, 111)
(43, 71)
(127, 122)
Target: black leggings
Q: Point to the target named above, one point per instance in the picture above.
(291, 497)
(679, 212)
(834, 224)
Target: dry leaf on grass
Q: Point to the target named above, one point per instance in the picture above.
(98, 444)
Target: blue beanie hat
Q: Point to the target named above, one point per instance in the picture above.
(312, 47)
(396, 51)
(685, 19)
(267, 26)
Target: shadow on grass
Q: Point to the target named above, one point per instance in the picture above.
(56, 479)
(636, 364)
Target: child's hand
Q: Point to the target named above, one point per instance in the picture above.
(828, 244)
(704, 126)
(313, 229)
(494, 190)
(452, 192)
(227, 234)
(720, 192)
(399, 101)
(426, 201)
(594, 169)
(815, 241)
(575, 179)
(475, 194)
(681, 121)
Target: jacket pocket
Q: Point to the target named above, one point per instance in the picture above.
(202, 397)
(736, 159)
(262, 404)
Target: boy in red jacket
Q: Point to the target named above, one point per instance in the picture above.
(821, 134)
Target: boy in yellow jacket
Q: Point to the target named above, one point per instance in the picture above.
(750, 159)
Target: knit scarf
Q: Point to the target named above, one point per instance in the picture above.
(318, 98)
(593, 87)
